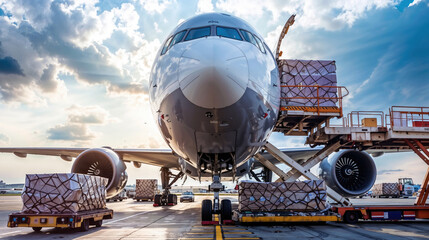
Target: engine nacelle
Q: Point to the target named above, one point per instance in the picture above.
(349, 172)
(103, 162)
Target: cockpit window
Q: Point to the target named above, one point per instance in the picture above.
(165, 48)
(198, 33)
(248, 37)
(260, 45)
(177, 38)
(228, 33)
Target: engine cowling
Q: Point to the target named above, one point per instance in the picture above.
(103, 162)
(349, 172)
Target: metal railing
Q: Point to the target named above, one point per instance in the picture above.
(355, 118)
(408, 116)
(340, 93)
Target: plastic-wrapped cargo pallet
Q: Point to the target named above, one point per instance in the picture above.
(299, 73)
(63, 193)
(146, 188)
(386, 189)
(307, 195)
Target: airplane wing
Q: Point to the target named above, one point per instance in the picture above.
(156, 157)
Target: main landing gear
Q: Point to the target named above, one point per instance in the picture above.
(166, 198)
(223, 208)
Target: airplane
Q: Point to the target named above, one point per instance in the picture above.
(215, 96)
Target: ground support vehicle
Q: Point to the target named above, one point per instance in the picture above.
(81, 220)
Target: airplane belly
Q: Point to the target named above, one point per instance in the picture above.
(240, 129)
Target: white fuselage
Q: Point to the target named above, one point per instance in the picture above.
(214, 92)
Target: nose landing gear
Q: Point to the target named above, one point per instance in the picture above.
(223, 208)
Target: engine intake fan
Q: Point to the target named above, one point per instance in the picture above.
(103, 162)
(349, 172)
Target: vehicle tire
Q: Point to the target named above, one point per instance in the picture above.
(225, 210)
(172, 198)
(85, 225)
(37, 229)
(107, 200)
(121, 200)
(157, 199)
(99, 223)
(206, 210)
(351, 217)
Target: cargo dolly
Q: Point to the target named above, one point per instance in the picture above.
(81, 220)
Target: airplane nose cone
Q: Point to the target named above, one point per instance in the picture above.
(213, 73)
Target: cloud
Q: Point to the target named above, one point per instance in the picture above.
(3, 138)
(70, 132)
(389, 171)
(204, 6)
(75, 38)
(155, 6)
(329, 15)
(87, 115)
(77, 126)
(9, 65)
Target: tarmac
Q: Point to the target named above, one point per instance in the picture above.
(140, 220)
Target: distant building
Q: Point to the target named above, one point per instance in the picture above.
(11, 186)
(194, 189)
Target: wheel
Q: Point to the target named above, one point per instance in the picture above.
(107, 200)
(351, 217)
(121, 199)
(206, 210)
(98, 223)
(157, 199)
(172, 198)
(37, 229)
(85, 225)
(225, 210)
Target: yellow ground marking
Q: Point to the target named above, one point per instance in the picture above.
(218, 233)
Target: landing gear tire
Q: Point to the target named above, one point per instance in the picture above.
(225, 210)
(157, 199)
(206, 210)
(172, 198)
(351, 217)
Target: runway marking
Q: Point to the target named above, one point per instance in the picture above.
(1, 234)
(125, 218)
(218, 233)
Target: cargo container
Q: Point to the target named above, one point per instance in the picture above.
(386, 190)
(146, 189)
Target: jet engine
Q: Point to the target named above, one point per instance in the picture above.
(349, 172)
(103, 162)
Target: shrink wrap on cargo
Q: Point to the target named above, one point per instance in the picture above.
(146, 188)
(282, 196)
(299, 73)
(386, 189)
(63, 193)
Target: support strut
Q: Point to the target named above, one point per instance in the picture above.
(166, 198)
(283, 158)
(421, 200)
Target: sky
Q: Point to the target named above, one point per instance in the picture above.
(75, 73)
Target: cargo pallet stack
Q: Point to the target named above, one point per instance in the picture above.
(62, 200)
